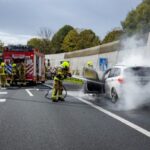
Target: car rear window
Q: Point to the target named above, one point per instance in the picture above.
(138, 71)
(114, 72)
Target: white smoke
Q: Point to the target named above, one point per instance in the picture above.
(135, 94)
(134, 52)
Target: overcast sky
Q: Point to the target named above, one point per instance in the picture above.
(22, 19)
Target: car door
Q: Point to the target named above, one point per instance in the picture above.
(110, 81)
(105, 77)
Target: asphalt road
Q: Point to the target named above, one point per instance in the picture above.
(29, 121)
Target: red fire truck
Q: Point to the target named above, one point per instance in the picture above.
(33, 59)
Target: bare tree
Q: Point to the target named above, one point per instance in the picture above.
(45, 33)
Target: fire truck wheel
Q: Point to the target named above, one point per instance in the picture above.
(32, 83)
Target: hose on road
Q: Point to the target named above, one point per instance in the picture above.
(48, 93)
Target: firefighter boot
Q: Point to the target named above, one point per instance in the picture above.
(54, 97)
(60, 96)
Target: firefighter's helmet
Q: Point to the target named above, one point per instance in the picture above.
(13, 65)
(65, 64)
(90, 63)
(2, 64)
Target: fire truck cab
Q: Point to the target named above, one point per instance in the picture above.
(33, 59)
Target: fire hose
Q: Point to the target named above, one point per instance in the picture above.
(49, 91)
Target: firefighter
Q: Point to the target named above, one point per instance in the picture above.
(47, 70)
(61, 73)
(8, 69)
(22, 72)
(3, 74)
(88, 70)
(14, 73)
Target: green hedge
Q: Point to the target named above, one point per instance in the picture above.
(74, 80)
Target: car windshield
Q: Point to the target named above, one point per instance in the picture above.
(138, 71)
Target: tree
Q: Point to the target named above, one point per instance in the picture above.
(42, 43)
(113, 36)
(35, 43)
(87, 38)
(58, 38)
(1, 45)
(75, 41)
(45, 35)
(70, 41)
(138, 20)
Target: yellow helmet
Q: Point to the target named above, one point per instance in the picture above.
(2, 64)
(65, 64)
(90, 63)
(13, 65)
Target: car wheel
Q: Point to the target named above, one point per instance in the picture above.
(114, 96)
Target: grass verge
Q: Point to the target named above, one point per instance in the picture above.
(74, 81)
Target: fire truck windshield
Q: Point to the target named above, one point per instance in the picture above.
(19, 48)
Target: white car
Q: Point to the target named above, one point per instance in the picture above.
(118, 77)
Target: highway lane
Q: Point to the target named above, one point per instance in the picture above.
(34, 122)
(139, 116)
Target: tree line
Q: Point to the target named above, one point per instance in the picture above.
(68, 38)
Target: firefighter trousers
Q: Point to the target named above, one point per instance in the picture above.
(13, 79)
(3, 80)
(57, 91)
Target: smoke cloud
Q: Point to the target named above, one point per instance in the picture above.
(136, 87)
(135, 90)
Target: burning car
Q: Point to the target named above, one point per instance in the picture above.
(120, 80)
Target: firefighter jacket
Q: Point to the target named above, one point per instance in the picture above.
(61, 73)
(8, 68)
(2, 68)
(14, 69)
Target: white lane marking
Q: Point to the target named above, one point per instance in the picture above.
(3, 92)
(3, 88)
(28, 91)
(2, 100)
(124, 121)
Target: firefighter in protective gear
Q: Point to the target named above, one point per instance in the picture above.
(22, 72)
(14, 73)
(89, 72)
(8, 70)
(3, 74)
(62, 72)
